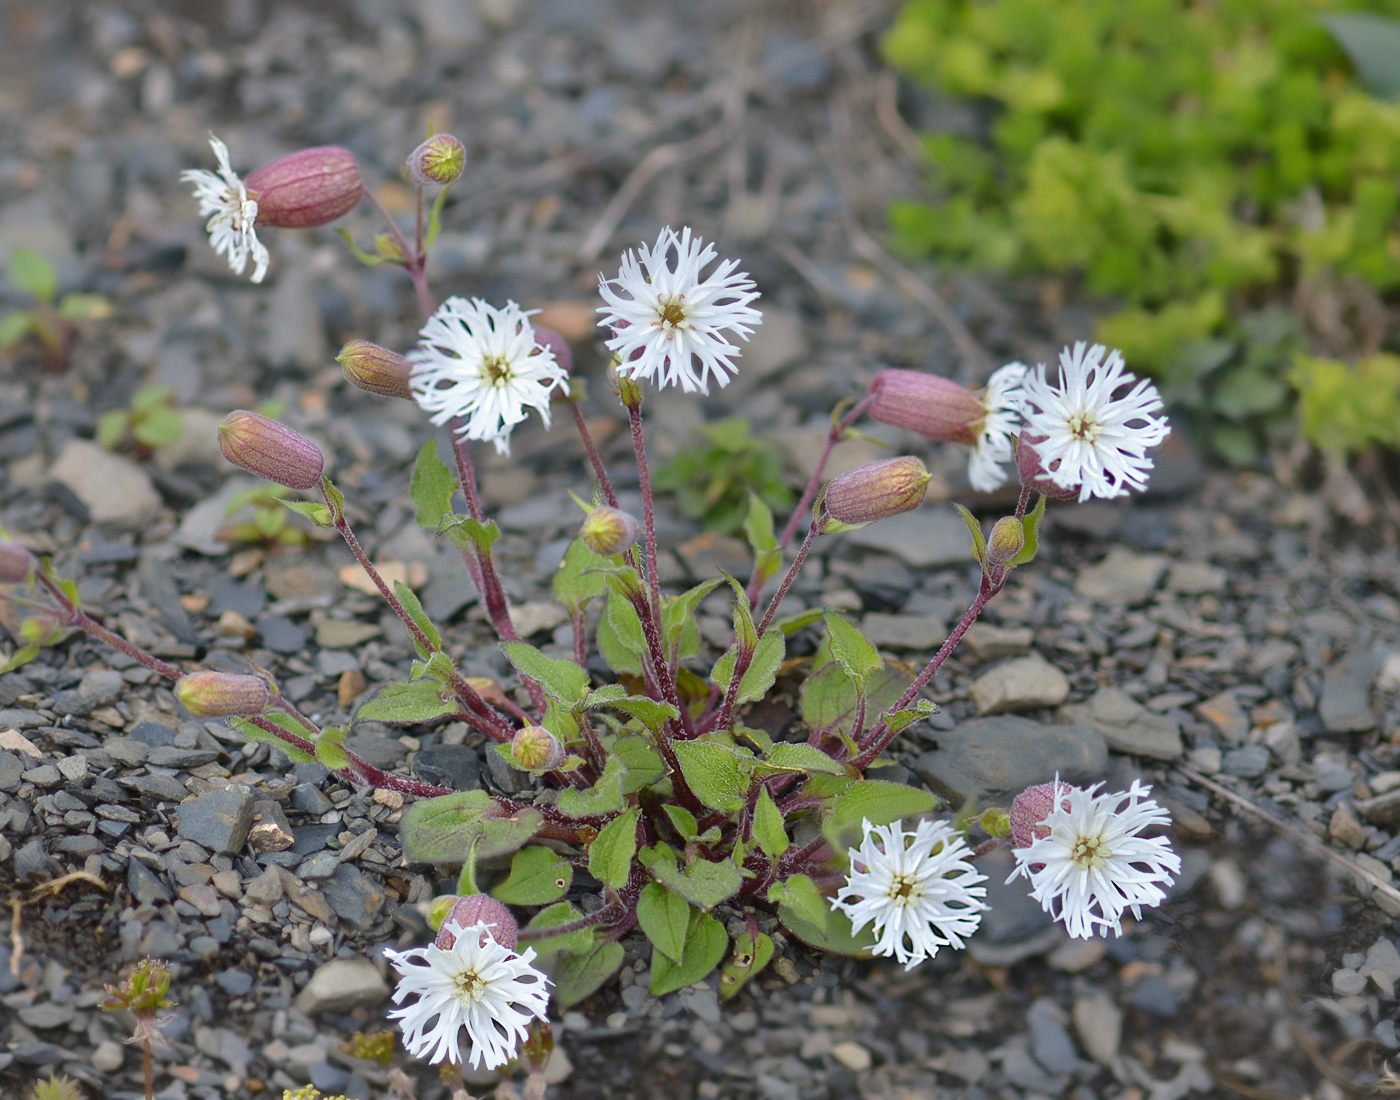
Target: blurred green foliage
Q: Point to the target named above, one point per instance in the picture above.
(48, 321)
(712, 480)
(150, 423)
(1186, 158)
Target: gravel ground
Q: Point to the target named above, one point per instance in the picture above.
(1219, 637)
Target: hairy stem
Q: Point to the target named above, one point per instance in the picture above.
(833, 437)
(594, 458)
(412, 257)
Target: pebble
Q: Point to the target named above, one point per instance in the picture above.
(1348, 983)
(1225, 713)
(1195, 578)
(1344, 827)
(113, 489)
(344, 633)
(1127, 726)
(454, 766)
(107, 1056)
(342, 985)
(908, 631)
(1099, 1023)
(928, 538)
(1345, 705)
(218, 820)
(995, 759)
(1248, 762)
(1051, 1045)
(987, 642)
(279, 634)
(1026, 683)
(1231, 887)
(1122, 577)
(354, 897)
(1153, 994)
(852, 1055)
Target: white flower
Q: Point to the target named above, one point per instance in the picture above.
(477, 984)
(481, 367)
(1093, 441)
(912, 886)
(1088, 862)
(998, 430)
(224, 201)
(666, 319)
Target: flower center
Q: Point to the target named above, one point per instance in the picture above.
(904, 889)
(495, 369)
(672, 315)
(470, 985)
(1083, 426)
(1089, 852)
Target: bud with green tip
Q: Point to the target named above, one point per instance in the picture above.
(209, 694)
(1006, 541)
(306, 188)
(877, 490)
(478, 909)
(375, 369)
(271, 450)
(535, 749)
(15, 562)
(609, 531)
(439, 160)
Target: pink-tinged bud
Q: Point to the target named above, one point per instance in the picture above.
(934, 407)
(376, 369)
(877, 490)
(479, 909)
(1033, 474)
(271, 450)
(609, 531)
(555, 342)
(535, 749)
(1028, 811)
(439, 160)
(15, 562)
(208, 694)
(1006, 541)
(307, 188)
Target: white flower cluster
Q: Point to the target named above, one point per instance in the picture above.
(232, 214)
(1087, 865)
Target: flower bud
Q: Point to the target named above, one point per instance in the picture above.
(271, 450)
(376, 369)
(306, 188)
(535, 749)
(934, 407)
(479, 909)
(877, 490)
(439, 160)
(15, 562)
(556, 343)
(1033, 473)
(1029, 809)
(208, 694)
(609, 531)
(1007, 539)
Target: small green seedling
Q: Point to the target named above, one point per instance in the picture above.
(52, 324)
(149, 424)
(712, 481)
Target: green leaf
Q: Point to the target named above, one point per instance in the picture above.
(880, 802)
(682, 820)
(111, 426)
(758, 526)
(256, 733)
(13, 326)
(705, 942)
(768, 827)
(851, 650)
(330, 749)
(411, 604)
(435, 218)
(620, 638)
(803, 757)
(664, 917)
(995, 822)
(809, 917)
(159, 427)
(1030, 525)
(979, 541)
(828, 698)
(561, 679)
(1373, 44)
(703, 884)
(538, 876)
(407, 703)
(32, 273)
(445, 829)
(470, 534)
(604, 797)
(748, 961)
(564, 912)
(745, 634)
(151, 397)
(678, 614)
(366, 258)
(642, 763)
(899, 719)
(431, 487)
(652, 713)
(717, 774)
(762, 671)
(84, 307)
(318, 514)
(610, 854)
(576, 581)
(579, 976)
(791, 624)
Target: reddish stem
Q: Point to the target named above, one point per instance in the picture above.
(833, 437)
(594, 458)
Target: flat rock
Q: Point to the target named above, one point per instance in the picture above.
(535, 616)
(926, 538)
(344, 633)
(1123, 577)
(1196, 578)
(1127, 726)
(995, 759)
(1026, 683)
(455, 766)
(218, 820)
(1099, 1023)
(341, 985)
(1345, 706)
(113, 489)
(904, 631)
(987, 642)
(353, 896)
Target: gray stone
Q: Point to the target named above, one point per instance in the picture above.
(995, 759)
(145, 886)
(353, 897)
(73, 768)
(198, 530)
(1382, 966)
(218, 820)
(160, 787)
(32, 861)
(927, 538)
(19, 718)
(1051, 1045)
(1099, 1023)
(98, 688)
(168, 756)
(1196, 578)
(455, 766)
(234, 982)
(778, 342)
(107, 1056)
(904, 631)
(1128, 726)
(342, 985)
(11, 771)
(376, 749)
(1345, 706)
(309, 799)
(1348, 983)
(1123, 577)
(113, 489)
(279, 634)
(1248, 762)
(1152, 994)
(988, 642)
(1026, 683)
(46, 1014)
(319, 865)
(45, 775)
